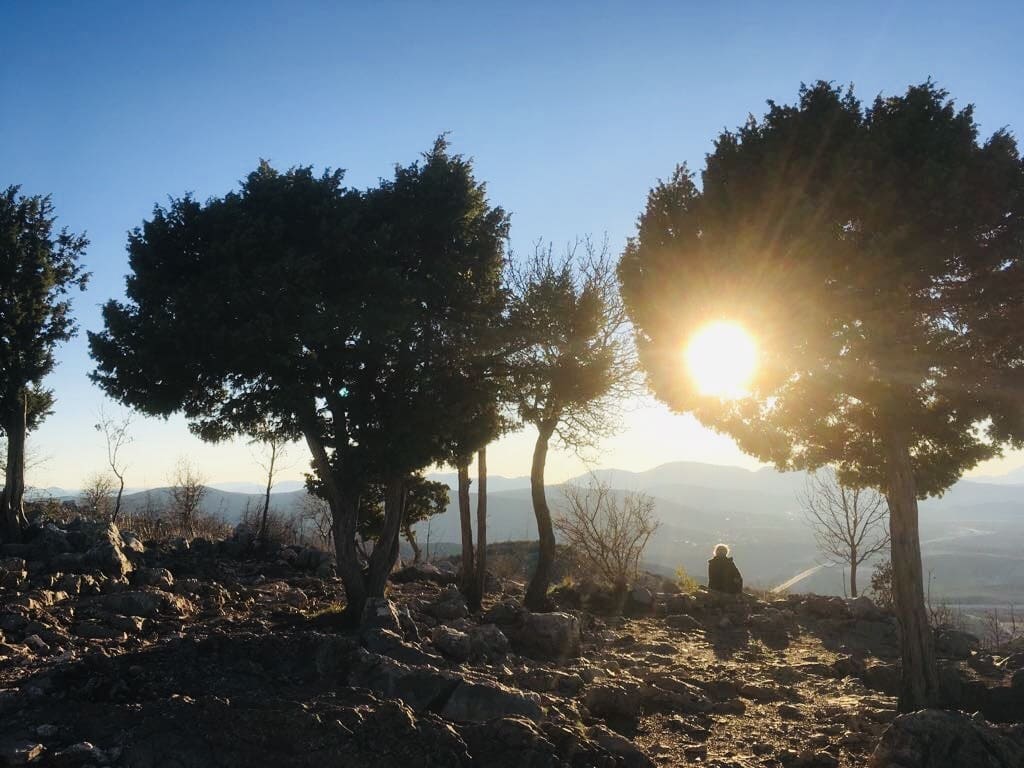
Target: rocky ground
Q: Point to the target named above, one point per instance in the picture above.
(120, 653)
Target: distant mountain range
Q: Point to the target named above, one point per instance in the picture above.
(972, 537)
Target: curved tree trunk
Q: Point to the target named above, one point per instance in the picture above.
(385, 550)
(12, 501)
(537, 592)
(117, 504)
(481, 526)
(919, 686)
(343, 516)
(468, 581)
(410, 536)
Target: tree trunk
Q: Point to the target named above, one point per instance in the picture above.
(919, 686)
(117, 504)
(853, 571)
(385, 550)
(467, 583)
(12, 502)
(481, 526)
(410, 536)
(266, 507)
(343, 517)
(537, 592)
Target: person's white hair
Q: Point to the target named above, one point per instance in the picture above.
(722, 550)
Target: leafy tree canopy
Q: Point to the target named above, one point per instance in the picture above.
(877, 254)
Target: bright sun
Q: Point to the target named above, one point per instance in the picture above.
(721, 359)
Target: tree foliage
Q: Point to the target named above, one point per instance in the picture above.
(39, 267)
(571, 367)
(348, 317)
(876, 254)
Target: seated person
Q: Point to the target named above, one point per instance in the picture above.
(723, 575)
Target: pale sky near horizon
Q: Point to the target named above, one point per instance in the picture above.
(571, 112)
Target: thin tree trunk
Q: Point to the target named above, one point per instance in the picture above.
(481, 525)
(410, 536)
(343, 517)
(537, 592)
(266, 501)
(919, 687)
(117, 504)
(853, 571)
(465, 519)
(12, 502)
(385, 550)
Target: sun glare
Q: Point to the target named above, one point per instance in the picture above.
(721, 359)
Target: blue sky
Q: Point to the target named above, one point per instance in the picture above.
(570, 110)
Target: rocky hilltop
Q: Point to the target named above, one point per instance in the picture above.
(117, 652)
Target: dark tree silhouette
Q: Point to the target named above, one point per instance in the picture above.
(876, 254)
(571, 369)
(851, 525)
(38, 268)
(348, 317)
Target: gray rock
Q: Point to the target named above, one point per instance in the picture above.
(506, 613)
(488, 642)
(548, 636)
(614, 700)
(419, 687)
(452, 643)
(620, 746)
(954, 643)
(683, 622)
(145, 604)
(106, 551)
(161, 578)
(424, 572)
(934, 738)
(379, 613)
(481, 701)
(449, 605)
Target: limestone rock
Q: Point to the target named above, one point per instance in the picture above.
(452, 643)
(548, 636)
(940, 739)
(480, 701)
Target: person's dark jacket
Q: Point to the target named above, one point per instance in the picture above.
(724, 576)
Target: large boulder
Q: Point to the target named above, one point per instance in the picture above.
(548, 636)
(452, 643)
(449, 605)
(478, 702)
(488, 642)
(104, 548)
(935, 738)
(954, 643)
(380, 613)
(427, 572)
(421, 688)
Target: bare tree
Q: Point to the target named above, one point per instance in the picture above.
(606, 533)
(850, 525)
(115, 431)
(187, 491)
(317, 512)
(273, 446)
(96, 493)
